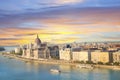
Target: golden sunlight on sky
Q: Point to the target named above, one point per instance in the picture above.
(59, 21)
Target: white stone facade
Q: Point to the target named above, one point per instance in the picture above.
(116, 56)
(100, 57)
(17, 50)
(80, 56)
(65, 54)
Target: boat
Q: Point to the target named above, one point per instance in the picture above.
(85, 66)
(55, 70)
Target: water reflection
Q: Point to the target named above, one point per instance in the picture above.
(104, 73)
(65, 68)
(30, 67)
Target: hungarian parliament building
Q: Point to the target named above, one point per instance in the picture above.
(39, 50)
(99, 52)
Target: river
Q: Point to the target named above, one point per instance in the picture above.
(12, 69)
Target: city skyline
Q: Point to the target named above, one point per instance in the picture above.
(61, 21)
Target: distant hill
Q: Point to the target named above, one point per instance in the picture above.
(2, 49)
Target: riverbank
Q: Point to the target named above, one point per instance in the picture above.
(61, 62)
(45, 61)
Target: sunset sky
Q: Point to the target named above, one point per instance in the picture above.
(59, 21)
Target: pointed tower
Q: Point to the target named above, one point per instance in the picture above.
(37, 36)
(37, 40)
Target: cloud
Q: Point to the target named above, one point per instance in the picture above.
(110, 35)
(68, 1)
(32, 5)
(9, 39)
(65, 40)
(60, 24)
(67, 16)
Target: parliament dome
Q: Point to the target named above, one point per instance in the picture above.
(37, 40)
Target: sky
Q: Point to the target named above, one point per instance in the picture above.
(59, 21)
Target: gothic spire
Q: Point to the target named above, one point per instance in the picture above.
(37, 36)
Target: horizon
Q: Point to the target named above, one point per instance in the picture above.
(59, 22)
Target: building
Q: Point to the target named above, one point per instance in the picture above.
(98, 56)
(95, 57)
(54, 51)
(78, 55)
(17, 50)
(116, 56)
(66, 53)
(37, 50)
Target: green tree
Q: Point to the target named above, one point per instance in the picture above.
(12, 52)
(20, 53)
(108, 63)
(2, 49)
(89, 62)
(116, 63)
(100, 63)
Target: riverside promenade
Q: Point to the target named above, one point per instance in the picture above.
(61, 62)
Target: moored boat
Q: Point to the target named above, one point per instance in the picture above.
(85, 66)
(55, 70)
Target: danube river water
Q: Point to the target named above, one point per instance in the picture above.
(12, 69)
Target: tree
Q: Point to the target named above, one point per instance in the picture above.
(12, 52)
(108, 63)
(20, 53)
(2, 49)
(81, 62)
(100, 63)
(89, 62)
(116, 63)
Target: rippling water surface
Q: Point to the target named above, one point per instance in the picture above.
(12, 69)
